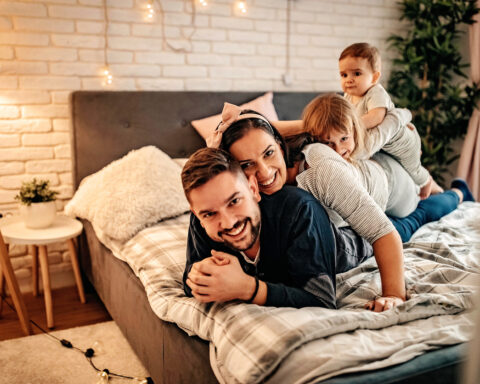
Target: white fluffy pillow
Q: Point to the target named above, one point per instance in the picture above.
(131, 193)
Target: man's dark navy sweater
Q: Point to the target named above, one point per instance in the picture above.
(298, 247)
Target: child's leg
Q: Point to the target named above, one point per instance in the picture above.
(428, 210)
(463, 187)
(405, 147)
(403, 193)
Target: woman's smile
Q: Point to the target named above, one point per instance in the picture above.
(268, 182)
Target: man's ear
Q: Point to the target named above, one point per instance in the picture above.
(376, 77)
(253, 185)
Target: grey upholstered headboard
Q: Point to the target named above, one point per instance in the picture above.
(106, 125)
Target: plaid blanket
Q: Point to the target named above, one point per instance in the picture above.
(249, 342)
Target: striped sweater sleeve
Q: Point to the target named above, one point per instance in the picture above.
(337, 186)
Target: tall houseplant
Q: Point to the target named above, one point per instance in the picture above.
(428, 76)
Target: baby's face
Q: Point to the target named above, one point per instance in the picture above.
(356, 76)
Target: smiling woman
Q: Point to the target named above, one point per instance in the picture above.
(267, 159)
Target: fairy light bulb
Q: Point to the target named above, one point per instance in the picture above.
(203, 3)
(151, 10)
(242, 6)
(103, 377)
(108, 80)
(98, 347)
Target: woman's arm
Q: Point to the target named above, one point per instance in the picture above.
(388, 252)
(337, 186)
(288, 127)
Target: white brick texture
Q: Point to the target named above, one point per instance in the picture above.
(50, 48)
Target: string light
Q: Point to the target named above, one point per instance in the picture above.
(151, 10)
(203, 3)
(242, 6)
(104, 375)
(108, 77)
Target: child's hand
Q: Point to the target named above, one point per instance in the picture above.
(385, 303)
(426, 190)
(220, 258)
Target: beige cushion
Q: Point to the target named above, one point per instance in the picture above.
(263, 104)
(131, 193)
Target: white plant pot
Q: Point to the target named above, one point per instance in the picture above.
(38, 215)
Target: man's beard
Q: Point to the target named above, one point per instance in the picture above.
(254, 231)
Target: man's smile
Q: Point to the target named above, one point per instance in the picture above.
(236, 231)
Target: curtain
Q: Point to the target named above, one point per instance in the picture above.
(469, 163)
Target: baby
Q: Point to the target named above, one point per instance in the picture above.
(360, 71)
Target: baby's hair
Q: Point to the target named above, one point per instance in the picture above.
(365, 51)
(332, 112)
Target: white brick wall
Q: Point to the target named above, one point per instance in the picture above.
(49, 48)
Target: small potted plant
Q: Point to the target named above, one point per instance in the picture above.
(37, 203)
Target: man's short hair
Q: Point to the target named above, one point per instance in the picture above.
(204, 165)
(365, 51)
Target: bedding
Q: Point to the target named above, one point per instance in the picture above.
(109, 124)
(249, 342)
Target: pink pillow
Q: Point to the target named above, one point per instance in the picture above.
(262, 104)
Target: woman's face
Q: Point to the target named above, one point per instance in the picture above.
(260, 155)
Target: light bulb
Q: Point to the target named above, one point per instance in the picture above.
(98, 347)
(242, 6)
(103, 377)
(151, 10)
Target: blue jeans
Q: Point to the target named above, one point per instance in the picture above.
(428, 210)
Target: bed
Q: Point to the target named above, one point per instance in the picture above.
(107, 125)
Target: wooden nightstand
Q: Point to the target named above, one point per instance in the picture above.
(63, 228)
(17, 298)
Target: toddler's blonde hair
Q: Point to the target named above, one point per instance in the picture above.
(332, 112)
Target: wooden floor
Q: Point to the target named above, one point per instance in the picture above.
(68, 312)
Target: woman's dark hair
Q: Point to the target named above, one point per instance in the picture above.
(240, 128)
(295, 145)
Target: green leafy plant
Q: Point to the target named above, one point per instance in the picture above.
(428, 76)
(36, 191)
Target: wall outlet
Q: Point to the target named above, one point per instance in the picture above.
(287, 79)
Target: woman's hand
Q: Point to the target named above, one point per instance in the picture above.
(388, 251)
(381, 304)
(219, 258)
